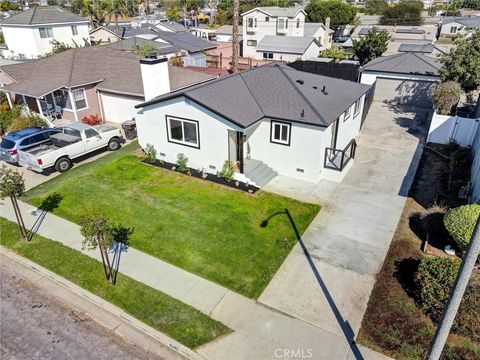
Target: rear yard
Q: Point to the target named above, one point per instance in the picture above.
(202, 227)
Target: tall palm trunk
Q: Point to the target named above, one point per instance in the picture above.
(236, 6)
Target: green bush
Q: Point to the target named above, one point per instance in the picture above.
(7, 116)
(23, 122)
(182, 162)
(434, 280)
(460, 222)
(446, 96)
(228, 170)
(150, 152)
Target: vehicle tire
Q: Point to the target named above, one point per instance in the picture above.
(114, 144)
(63, 164)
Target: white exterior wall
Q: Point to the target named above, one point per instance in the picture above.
(461, 29)
(27, 40)
(213, 130)
(118, 108)
(369, 77)
(312, 52)
(349, 129)
(445, 128)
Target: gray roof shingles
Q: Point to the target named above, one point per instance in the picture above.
(469, 21)
(273, 91)
(134, 43)
(405, 63)
(417, 48)
(185, 40)
(284, 44)
(279, 11)
(43, 15)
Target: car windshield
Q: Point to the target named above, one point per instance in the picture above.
(7, 144)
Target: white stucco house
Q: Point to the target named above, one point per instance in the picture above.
(274, 33)
(29, 34)
(458, 25)
(269, 120)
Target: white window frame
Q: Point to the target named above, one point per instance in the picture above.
(84, 98)
(250, 22)
(347, 114)
(48, 32)
(356, 108)
(251, 42)
(182, 142)
(283, 125)
(74, 29)
(281, 21)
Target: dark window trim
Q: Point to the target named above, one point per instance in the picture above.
(272, 121)
(181, 143)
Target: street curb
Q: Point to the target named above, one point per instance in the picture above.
(109, 316)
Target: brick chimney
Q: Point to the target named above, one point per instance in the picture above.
(155, 77)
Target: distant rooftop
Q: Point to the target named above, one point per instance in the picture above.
(469, 21)
(135, 43)
(276, 11)
(417, 48)
(285, 44)
(185, 40)
(43, 15)
(405, 63)
(410, 31)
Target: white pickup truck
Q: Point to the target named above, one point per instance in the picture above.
(75, 140)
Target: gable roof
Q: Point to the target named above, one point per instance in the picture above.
(276, 11)
(172, 25)
(405, 63)
(112, 70)
(417, 48)
(185, 40)
(470, 21)
(274, 91)
(284, 44)
(43, 15)
(134, 43)
(227, 30)
(309, 29)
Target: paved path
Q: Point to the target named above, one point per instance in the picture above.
(35, 326)
(328, 281)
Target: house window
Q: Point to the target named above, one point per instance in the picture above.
(346, 114)
(280, 24)
(280, 132)
(80, 99)
(267, 55)
(453, 30)
(267, 19)
(356, 108)
(74, 30)
(250, 22)
(252, 42)
(298, 23)
(46, 32)
(183, 131)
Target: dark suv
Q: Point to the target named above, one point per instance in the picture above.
(23, 139)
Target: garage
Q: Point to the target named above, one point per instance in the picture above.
(405, 79)
(118, 108)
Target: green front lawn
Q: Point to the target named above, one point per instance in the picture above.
(205, 228)
(156, 309)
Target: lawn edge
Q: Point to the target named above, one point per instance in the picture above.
(98, 309)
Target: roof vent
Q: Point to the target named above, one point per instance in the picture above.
(324, 89)
(302, 114)
(300, 81)
(315, 87)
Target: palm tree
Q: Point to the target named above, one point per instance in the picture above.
(119, 8)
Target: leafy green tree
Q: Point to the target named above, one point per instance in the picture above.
(59, 47)
(408, 12)
(334, 53)
(144, 50)
(371, 46)
(99, 11)
(460, 222)
(445, 96)
(7, 115)
(173, 14)
(12, 185)
(463, 64)
(339, 12)
(6, 5)
(376, 7)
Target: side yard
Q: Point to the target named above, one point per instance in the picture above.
(156, 309)
(395, 323)
(202, 227)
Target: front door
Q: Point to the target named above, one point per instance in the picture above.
(235, 148)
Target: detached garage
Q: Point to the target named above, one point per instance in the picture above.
(402, 79)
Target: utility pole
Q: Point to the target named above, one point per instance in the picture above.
(236, 9)
(461, 282)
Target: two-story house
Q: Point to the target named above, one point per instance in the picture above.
(29, 34)
(275, 33)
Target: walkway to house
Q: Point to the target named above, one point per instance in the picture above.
(328, 277)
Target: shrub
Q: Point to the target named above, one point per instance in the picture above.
(7, 116)
(334, 53)
(446, 96)
(228, 170)
(467, 321)
(434, 280)
(182, 161)
(460, 222)
(150, 152)
(23, 122)
(92, 120)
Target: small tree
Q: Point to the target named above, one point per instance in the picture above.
(23, 122)
(460, 222)
(144, 50)
(173, 14)
(371, 46)
(182, 162)
(408, 12)
(445, 96)
(151, 153)
(339, 12)
(334, 53)
(228, 170)
(376, 7)
(12, 185)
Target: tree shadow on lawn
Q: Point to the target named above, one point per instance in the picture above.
(48, 204)
(121, 238)
(344, 324)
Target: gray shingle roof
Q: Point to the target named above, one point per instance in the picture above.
(276, 11)
(405, 63)
(274, 91)
(185, 40)
(172, 25)
(470, 21)
(409, 31)
(309, 29)
(113, 70)
(43, 15)
(284, 44)
(227, 30)
(134, 43)
(417, 48)
(127, 30)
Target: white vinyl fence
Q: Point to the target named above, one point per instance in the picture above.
(445, 129)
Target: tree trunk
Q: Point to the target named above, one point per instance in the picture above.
(18, 215)
(117, 30)
(103, 261)
(236, 6)
(107, 265)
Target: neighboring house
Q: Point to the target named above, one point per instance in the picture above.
(458, 25)
(94, 80)
(225, 33)
(135, 43)
(404, 78)
(270, 119)
(275, 33)
(29, 34)
(171, 26)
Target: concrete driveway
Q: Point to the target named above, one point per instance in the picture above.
(328, 277)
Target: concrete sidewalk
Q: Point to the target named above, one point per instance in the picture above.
(259, 331)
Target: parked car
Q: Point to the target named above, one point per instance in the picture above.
(23, 139)
(341, 39)
(73, 141)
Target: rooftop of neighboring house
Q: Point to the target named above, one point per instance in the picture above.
(185, 40)
(469, 21)
(285, 44)
(401, 33)
(173, 25)
(135, 43)
(405, 63)
(273, 91)
(311, 28)
(126, 30)
(275, 11)
(43, 15)
(416, 48)
(228, 30)
(108, 69)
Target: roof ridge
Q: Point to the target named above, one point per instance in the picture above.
(385, 58)
(253, 96)
(74, 53)
(422, 59)
(33, 14)
(309, 103)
